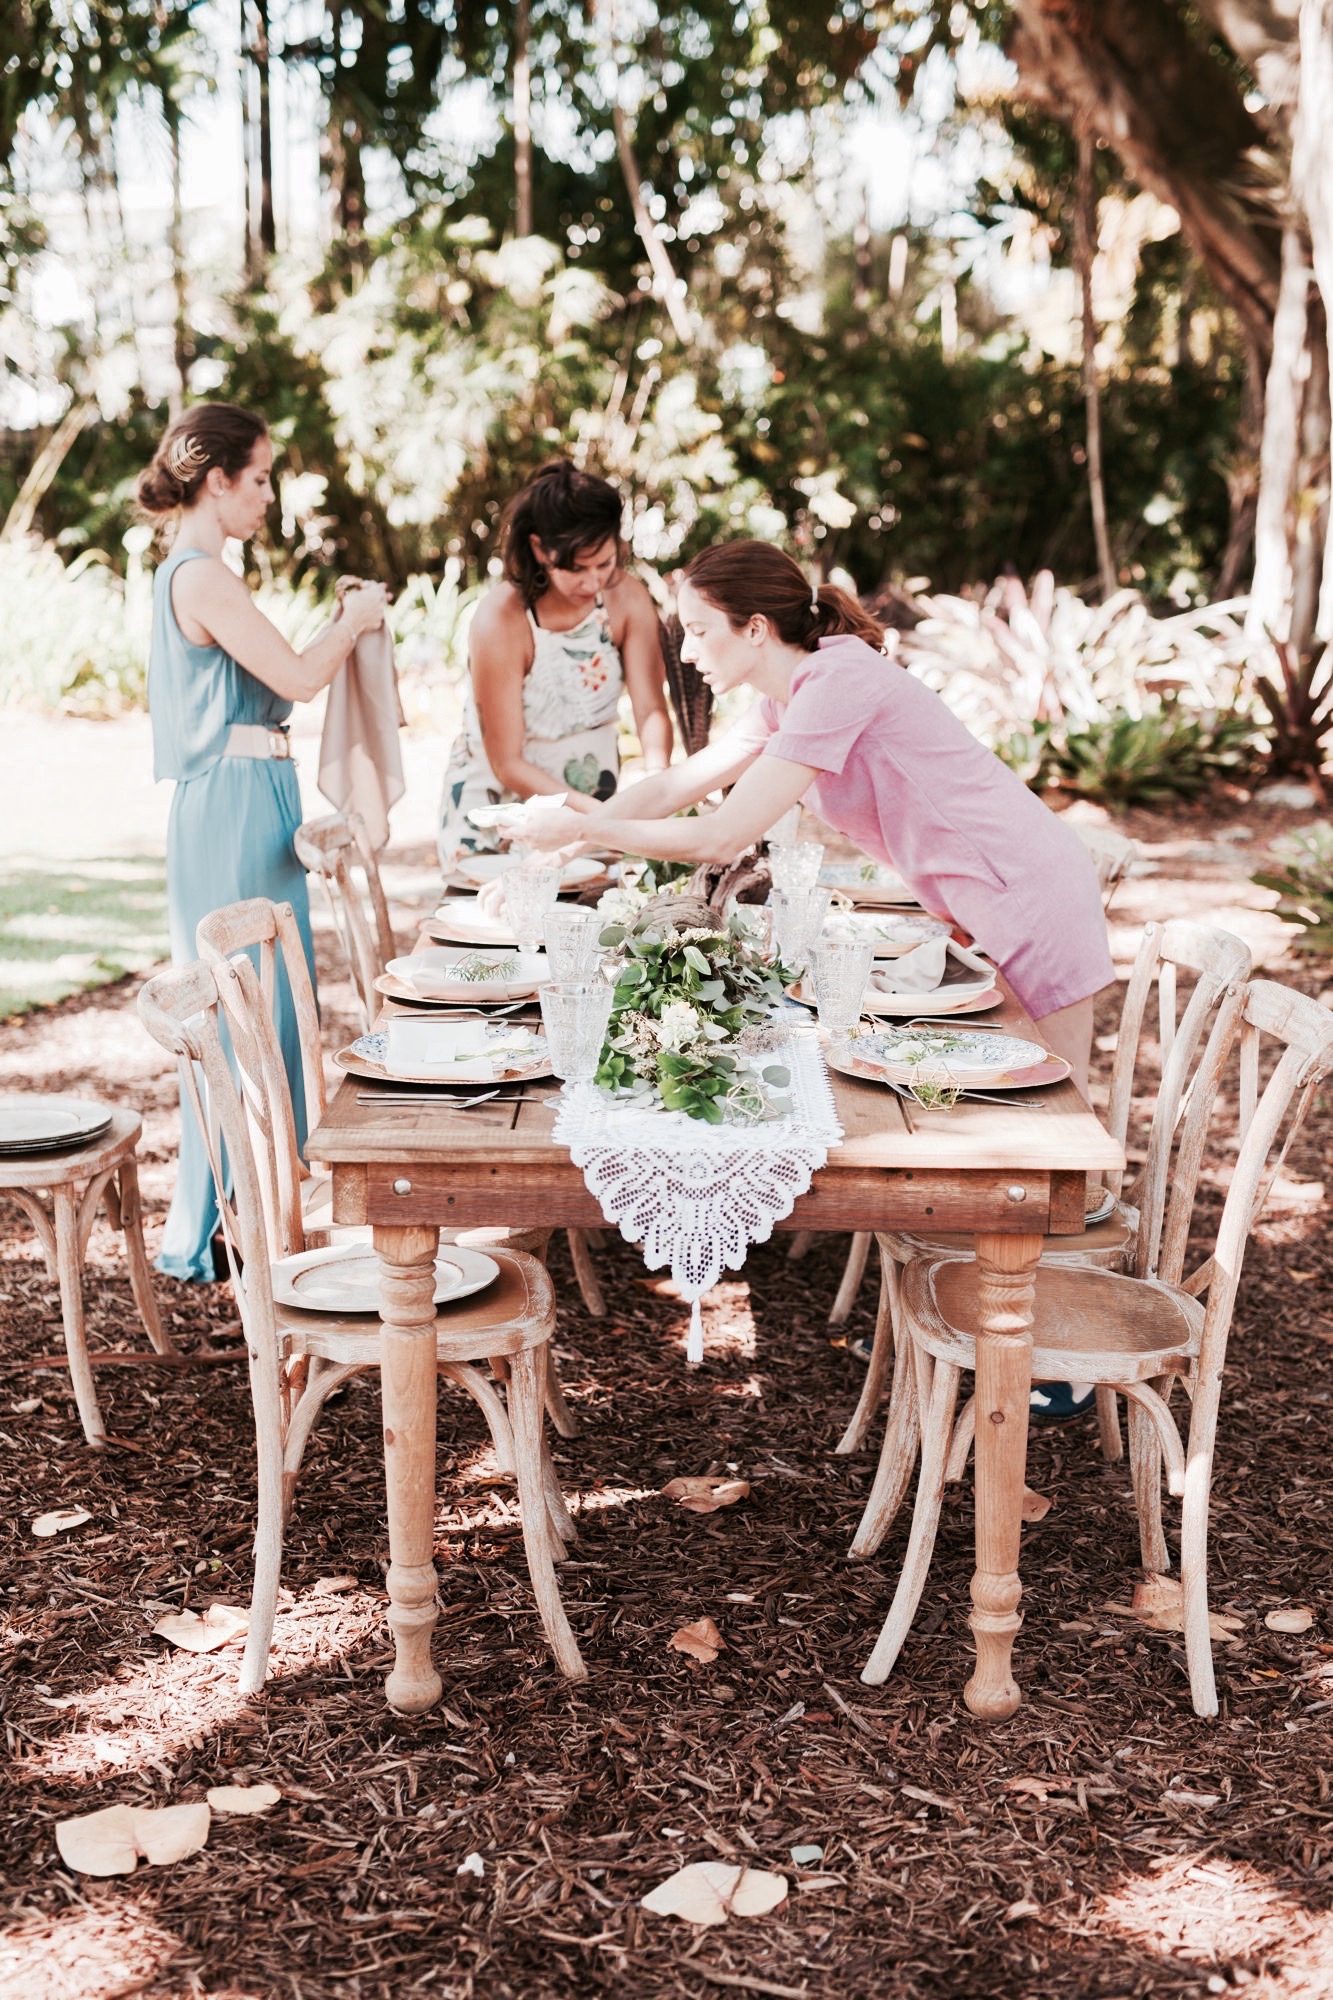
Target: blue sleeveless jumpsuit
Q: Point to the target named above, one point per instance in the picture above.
(229, 836)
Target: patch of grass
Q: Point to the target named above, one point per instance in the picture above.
(78, 924)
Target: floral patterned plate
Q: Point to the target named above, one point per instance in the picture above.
(891, 932)
(950, 1056)
(865, 881)
(463, 975)
(368, 1056)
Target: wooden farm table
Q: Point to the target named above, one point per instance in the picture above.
(1009, 1175)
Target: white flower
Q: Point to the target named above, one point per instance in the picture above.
(678, 1025)
(621, 906)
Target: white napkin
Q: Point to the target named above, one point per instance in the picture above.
(461, 1046)
(918, 971)
(516, 810)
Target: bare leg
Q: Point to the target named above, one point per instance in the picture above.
(1007, 1267)
(407, 1370)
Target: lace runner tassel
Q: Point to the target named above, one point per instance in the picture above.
(694, 1340)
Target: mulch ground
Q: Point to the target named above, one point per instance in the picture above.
(1103, 1842)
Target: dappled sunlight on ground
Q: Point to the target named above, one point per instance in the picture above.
(109, 1947)
(1230, 1920)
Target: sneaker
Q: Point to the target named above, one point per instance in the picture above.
(861, 1346)
(1060, 1402)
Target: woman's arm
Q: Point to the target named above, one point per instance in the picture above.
(499, 654)
(763, 791)
(210, 597)
(645, 675)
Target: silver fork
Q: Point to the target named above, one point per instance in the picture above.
(397, 1099)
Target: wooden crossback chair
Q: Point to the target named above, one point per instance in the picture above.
(1139, 1334)
(269, 932)
(1217, 962)
(297, 1358)
(337, 850)
(1113, 856)
(691, 696)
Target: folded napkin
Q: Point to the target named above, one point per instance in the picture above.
(360, 759)
(918, 971)
(515, 811)
(463, 1046)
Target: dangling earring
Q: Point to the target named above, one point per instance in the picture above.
(540, 581)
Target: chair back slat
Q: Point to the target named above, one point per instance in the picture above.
(337, 850)
(1177, 1142)
(266, 1101)
(1305, 1029)
(269, 932)
(1217, 961)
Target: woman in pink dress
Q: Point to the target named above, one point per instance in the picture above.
(882, 759)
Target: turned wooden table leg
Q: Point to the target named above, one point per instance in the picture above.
(1007, 1267)
(407, 1374)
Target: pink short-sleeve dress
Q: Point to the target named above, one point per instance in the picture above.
(901, 776)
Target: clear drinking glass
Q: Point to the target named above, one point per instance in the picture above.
(798, 917)
(528, 893)
(841, 973)
(795, 864)
(574, 1014)
(573, 942)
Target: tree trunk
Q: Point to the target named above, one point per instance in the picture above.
(180, 318)
(42, 473)
(1270, 593)
(1133, 73)
(268, 235)
(1085, 234)
(522, 119)
(669, 288)
(1312, 183)
(1243, 477)
(249, 257)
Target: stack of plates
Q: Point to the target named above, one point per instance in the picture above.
(30, 1124)
(368, 1056)
(476, 870)
(461, 975)
(865, 882)
(889, 932)
(957, 1058)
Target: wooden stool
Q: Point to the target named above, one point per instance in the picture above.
(59, 1193)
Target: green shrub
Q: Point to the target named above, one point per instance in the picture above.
(1167, 753)
(1304, 882)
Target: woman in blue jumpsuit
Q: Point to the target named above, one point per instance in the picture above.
(221, 685)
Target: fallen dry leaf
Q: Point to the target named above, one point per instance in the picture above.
(1017, 1911)
(242, 1798)
(220, 1624)
(1036, 1506)
(705, 1494)
(1289, 1618)
(329, 1586)
(110, 1842)
(1195, 1801)
(709, 1892)
(701, 1640)
(1037, 1788)
(62, 1518)
(1159, 1604)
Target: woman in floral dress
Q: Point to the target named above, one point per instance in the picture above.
(551, 650)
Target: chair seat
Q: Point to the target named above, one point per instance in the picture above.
(516, 1312)
(1108, 1245)
(1087, 1325)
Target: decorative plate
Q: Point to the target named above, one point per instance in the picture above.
(461, 920)
(367, 1057)
(866, 882)
(342, 1280)
(476, 870)
(953, 1056)
(38, 1124)
(891, 934)
(464, 975)
(945, 1001)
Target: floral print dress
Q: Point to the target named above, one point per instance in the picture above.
(571, 701)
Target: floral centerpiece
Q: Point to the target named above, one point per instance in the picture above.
(693, 998)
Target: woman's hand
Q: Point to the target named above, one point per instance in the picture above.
(562, 826)
(363, 607)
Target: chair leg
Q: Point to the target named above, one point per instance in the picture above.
(130, 1221)
(491, 1404)
(526, 1400)
(1194, 1542)
(69, 1271)
(1145, 1463)
(273, 1492)
(935, 1437)
(881, 1355)
(589, 1283)
(557, 1409)
(897, 1454)
(800, 1244)
(853, 1272)
(1108, 1424)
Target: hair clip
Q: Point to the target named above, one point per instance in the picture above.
(186, 457)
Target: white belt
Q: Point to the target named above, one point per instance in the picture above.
(256, 739)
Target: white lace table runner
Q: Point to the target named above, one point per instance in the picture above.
(696, 1196)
